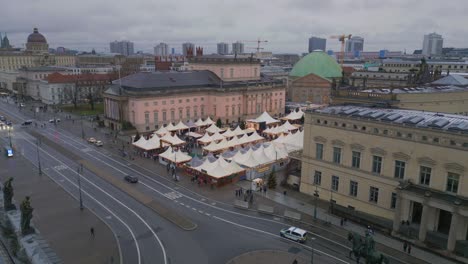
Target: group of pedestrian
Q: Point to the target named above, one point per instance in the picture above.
(343, 221)
(239, 192)
(407, 247)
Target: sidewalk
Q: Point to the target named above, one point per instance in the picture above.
(305, 206)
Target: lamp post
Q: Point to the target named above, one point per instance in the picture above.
(38, 142)
(9, 136)
(80, 170)
(82, 129)
(316, 196)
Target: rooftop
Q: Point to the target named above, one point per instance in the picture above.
(456, 80)
(414, 118)
(318, 63)
(68, 78)
(215, 59)
(43, 69)
(422, 89)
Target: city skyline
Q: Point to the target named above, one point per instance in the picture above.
(281, 26)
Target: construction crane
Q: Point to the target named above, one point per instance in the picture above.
(258, 41)
(342, 39)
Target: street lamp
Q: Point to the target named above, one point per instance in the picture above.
(9, 136)
(38, 142)
(316, 196)
(82, 129)
(80, 170)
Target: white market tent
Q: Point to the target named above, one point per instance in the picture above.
(234, 142)
(208, 122)
(214, 147)
(288, 126)
(170, 127)
(180, 126)
(199, 122)
(175, 156)
(217, 136)
(259, 157)
(244, 139)
(213, 129)
(161, 131)
(292, 142)
(229, 133)
(173, 140)
(294, 115)
(255, 137)
(238, 131)
(154, 142)
(194, 135)
(140, 143)
(219, 168)
(264, 117)
(205, 139)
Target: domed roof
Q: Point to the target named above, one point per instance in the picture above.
(318, 63)
(36, 37)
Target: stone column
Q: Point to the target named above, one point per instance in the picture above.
(452, 238)
(397, 214)
(423, 226)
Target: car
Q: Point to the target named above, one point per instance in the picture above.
(98, 143)
(131, 178)
(22, 105)
(9, 123)
(294, 233)
(55, 120)
(2, 118)
(91, 140)
(27, 123)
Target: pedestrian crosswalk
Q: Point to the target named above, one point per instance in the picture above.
(173, 195)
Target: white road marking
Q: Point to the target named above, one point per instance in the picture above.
(173, 195)
(276, 235)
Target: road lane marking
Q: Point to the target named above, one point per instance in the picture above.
(276, 235)
(123, 205)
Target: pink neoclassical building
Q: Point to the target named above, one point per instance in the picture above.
(231, 89)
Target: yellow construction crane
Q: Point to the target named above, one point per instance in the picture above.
(342, 39)
(258, 41)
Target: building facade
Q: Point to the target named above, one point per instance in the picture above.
(149, 100)
(222, 48)
(390, 166)
(373, 79)
(186, 46)
(228, 69)
(122, 47)
(316, 43)
(162, 49)
(355, 44)
(238, 48)
(432, 44)
(402, 65)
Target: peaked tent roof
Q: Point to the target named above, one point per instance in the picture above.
(238, 131)
(264, 117)
(161, 131)
(220, 168)
(173, 140)
(213, 129)
(452, 79)
(170, 127)
(206, 138)
(193, 134)
(199, 122)
(217, 136)
(175, 156)
(229, 133)
(181, 126)
(294, 115)
(208, 121)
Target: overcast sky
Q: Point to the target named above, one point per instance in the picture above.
(286, 24)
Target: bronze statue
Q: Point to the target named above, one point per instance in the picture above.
(8, 195)
(26, 215)
(365, 248)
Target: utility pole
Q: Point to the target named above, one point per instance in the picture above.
(82, 129)
(9, 136)
(38, 142)
(316, 196)
(80, 170)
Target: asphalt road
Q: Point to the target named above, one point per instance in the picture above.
(223, 232)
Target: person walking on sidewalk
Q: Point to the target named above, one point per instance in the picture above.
(92, 232)
(409, 248)
(405, 246)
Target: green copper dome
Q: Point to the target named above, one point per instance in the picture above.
(318, 63)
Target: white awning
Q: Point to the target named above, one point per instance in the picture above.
(294, 115)
(208, 121)
(199, 122)
(180, 126)
(229, 133)
(217, 136)
(171, 127)
(205, 139)
(238, 131)
(161, 131)
(264, 117)
(219, 168)
(175, 156)
(213, 129)
(173, 140)
(194, 135)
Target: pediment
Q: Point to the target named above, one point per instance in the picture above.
(401, 156)
(454, 167)
(427, 161)
(378, 151)
(337, 142)
(356, 146)
(320, 139)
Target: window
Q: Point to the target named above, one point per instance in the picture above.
(336, 155)
(385, 132)
(164, 102)
(187, 100)
(452, 182)
(376, 130)
(353, 188)
(233, 110)
(222, 72)
(393, 201)
(202, 110)
(180, 101)
(374, 194)
(181, 113)
(147, 118)
(188, 112)
(319, 151)
(425, 175)
(194, 99)
(155, 103)
(318, 178)
(335, 183)
(231, 72)
(195, 111)
(164, 116)
(376, 164)
(356, 160)
(156, 117)
(172, 101)
(399, 169)
(227, 110)
(172, 114)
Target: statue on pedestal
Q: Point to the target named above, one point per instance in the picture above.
(8, 195)
(365, 248)
(26, 216)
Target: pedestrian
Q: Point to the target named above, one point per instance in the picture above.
(284, 193)
(251, 198)
(294, 262)
(341, 222)
(405, 246)
(409, 248)
(345, 220)
(237, 193)
(92, 232)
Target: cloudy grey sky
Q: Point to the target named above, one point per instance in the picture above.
(287, 24)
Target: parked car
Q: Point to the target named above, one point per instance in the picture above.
(131, 178)
(98, 143)
(294, 233)
(8, 123)
(56, 120)
(91, 140)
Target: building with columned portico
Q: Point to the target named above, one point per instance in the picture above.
(400, 170)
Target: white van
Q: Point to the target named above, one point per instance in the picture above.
(294, 233)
